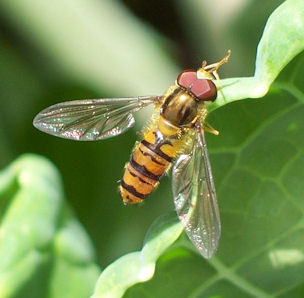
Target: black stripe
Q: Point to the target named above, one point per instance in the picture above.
(151, 156)
(156, 150)
(184, 113)
(170, 96)
(140, 179)
(143, 170)
(132, 190)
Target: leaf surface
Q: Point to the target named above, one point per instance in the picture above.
(41, 243)
(258, 163)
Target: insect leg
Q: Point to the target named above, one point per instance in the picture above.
(207, 127)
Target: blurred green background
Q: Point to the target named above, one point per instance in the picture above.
(51, 51)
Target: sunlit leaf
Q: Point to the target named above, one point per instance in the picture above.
(258, 163)
(282, 40)
(138, 266)
(40, 242)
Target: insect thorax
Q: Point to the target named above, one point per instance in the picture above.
(179, 107)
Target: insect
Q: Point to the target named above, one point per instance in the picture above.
(174, 136)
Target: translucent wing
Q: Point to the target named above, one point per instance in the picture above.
(91, 119)
(195, 198)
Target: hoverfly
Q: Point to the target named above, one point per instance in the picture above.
(175, 135)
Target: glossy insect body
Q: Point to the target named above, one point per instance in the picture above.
(174, 136)
(162, 141)
(149, 161)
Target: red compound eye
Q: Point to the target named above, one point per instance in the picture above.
(186, 78)
(204, 89)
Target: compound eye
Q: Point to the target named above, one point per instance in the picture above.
(204, 90)
(186, 78)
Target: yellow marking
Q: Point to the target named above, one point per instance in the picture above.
(171, 150)
(151, 166)
(140, 176)
(128, 197)
(157, 159)
(140, 186)
(166, 128)
(150, 137)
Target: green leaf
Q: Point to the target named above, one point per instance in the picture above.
(282, 40)
(138, 266)
(258, 163)
(40, 241)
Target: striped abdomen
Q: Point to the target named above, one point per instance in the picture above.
(148, 163)
(160, 145)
